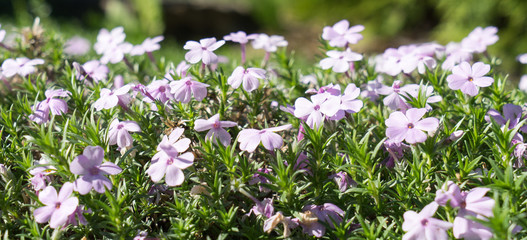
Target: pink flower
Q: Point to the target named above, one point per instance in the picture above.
(77, 46)
(349, 102)
(89, 165)
(58, 206)
(421, 226)
(93, 70)
(480, 38)
(238, 37)
(119, 133)
(268, 43)
(149, 45)
(202, 51)
(469, 79)
(340, 35)
(216, 129)
(250, 138)
(320, 106)
(394, 99)
(40, 173)
(339, 61)
(409, 127)
(522, 58)
(512, 114)
(342, 180)
(449, 193)
(180, 71)
(22, 66)
(327, 213)
(257, 178)
(112, 45)
(168, 160)
(248, 76)
(159, 90)
(264, 207)
(57, 106)
(184, 88)
(455, 54)
(110, 98)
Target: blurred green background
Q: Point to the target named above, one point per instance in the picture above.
(388, 23)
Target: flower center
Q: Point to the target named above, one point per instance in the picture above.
(120, 126)
(162, 89)
(94, 171)
(262, 132)
(188, 83)
(170, 161)
(203, 48)
(470, 79)
(57, 205)
(216, 125)
(410, 125)
(424, 222)
(317, 107)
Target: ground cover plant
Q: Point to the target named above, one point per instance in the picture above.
(422, 142)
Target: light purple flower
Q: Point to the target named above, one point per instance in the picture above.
(328, 213)
(414, 90)
(257, 178)
(93, 70)
(58, 206)
(340, 34)
(216, 129)
(394, 99)
(77, 217)
(395, 151)
(455, 54)
(421, 226)
(22, 66)
(522, 58)
(51, 103)
(268, 43)
(449, 193)
(371, 89)
(310, 224)
(111, 45)
(202, 50)
(159, 90)
(349, 102)
(409, 126)
(250, 138)
(469, 79)
(469, 229)
(180, 71)
(330, 89)
(76, 46)
(149, 45)
(340, 61)
(320, 106)
(513, 114)
(238, 37)
(92, 170)
(342, 180)
(249, 77)
(40, 173)
(168, 160)
(110, 98)
(276, 219)
(186, 87)
(2, 34)
(119, 133)
(480, 38)
(264, 207)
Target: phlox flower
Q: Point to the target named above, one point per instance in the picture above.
(180, 71)
(92, 171)
(427, 92)
(340, 34)
(92, 70)
(250, 138)
(111, 45)
(480, 38)
(522, 58)
(264, 207)
(349, 102)
(202, 50)
(40, 173)
(76, 46)
(215, 127)
(241, 38)
(395, 96)
(371, 89)
(169, 161)
(469, 79)
(395, 150)
(149, 45)
(257, 178)
(310, 225)
(455, 54)
(2, 34)
(330, 89)
(22, 66)
(77, 217)
(394, 61)
(110, 98)
(268, 43)
(342, 180)
(159, 90)
(119, 133)
(409, 126)
(58, 206)
(276, 219)
(184, 88)
(328, 213)
(320, 106)
(512, 114)
(51, 103)
(422, 226)
(340, 61)
(249, 77)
